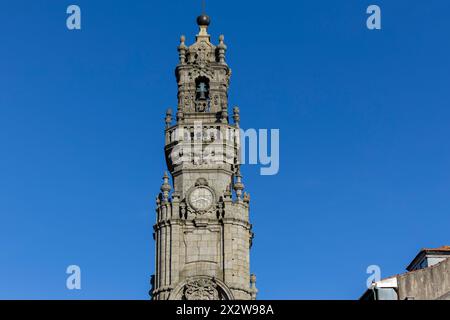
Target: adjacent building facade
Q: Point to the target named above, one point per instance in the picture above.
(428, 278)
(202, 232)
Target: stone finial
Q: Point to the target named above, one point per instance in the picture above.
(246, 197)
(224, 114)
(253, 281)
(236, 116)
(238, 185)
(221, 49)
(227, 194)
(182, 50)
(168, 117)
(203, 22)
(183, 212)
(165, 188)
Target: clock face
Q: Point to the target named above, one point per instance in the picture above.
(201, 199)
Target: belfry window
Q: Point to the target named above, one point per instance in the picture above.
(202, 88)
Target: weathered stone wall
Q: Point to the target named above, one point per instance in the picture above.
(426, 284)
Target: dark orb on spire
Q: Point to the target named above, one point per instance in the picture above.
(203, 20)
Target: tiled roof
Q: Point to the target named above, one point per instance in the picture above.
(444, 250)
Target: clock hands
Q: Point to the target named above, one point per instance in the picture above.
(201, 199)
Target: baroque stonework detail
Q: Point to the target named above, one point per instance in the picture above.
(201, 289)
(202, 233)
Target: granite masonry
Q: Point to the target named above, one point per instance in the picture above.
(202, 231)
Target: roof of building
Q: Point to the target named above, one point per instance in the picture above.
(444, 250)
(392, 281)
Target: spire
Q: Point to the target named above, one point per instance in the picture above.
(203, 6)
(203, 22)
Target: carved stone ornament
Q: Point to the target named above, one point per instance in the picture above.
(201, 53)
(201, 182)
(198, 71)
(187, 101)
(201, 289)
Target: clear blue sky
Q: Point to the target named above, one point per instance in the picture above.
(364, 118)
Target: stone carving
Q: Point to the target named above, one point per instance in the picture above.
(202, 231)
(201, 289)
(216, 101)
(198, 71)
(201, 182)
(202, 106)
(201, 53)
(246, 197)
(187, 101)
(220, 208)
(183, 213)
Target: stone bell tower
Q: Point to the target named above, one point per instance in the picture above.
(202, 231)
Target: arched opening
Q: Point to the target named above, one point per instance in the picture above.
(202, 88)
